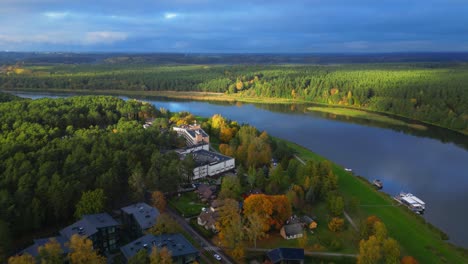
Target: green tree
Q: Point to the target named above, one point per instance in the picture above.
(230, 187)
(23, 259)
(91, 202)
(141, 257)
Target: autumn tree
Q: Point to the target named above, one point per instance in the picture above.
(159, 200)
(230, 227)
(255, 228)
(160, 256)
(282, 210)
(23, 259)
(165, 224)
(260, 205)
(51, 252)
(82, 251)
(409, 260)
(91, 202)
(369, 251)
(336, 224)
(335, 205)
(391, 251)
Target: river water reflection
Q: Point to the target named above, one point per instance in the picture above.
(404, 159)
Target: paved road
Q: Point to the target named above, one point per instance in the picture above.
(310, 253)
(205, 244)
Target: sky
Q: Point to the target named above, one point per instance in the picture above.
(235, 26)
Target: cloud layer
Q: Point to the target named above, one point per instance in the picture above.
(295, 26)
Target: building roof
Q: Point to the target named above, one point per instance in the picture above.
(175, 243)
(33, 250)
(293, 229)
(281, 254)
(209, 217)
(307, 220)
(144, 214)
(89, 225)
(204, 157)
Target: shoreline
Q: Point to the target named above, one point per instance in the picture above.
(211, 96)
(416, 236)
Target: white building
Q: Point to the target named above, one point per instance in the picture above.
(210, 163)
(193, 134)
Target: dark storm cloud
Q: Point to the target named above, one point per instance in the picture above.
(234, 26)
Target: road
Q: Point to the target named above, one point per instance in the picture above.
(204, 243)
(310, 253)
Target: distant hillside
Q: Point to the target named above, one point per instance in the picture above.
(213, 58)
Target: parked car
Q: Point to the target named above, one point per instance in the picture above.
(217, 257)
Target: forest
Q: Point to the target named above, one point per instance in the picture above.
(53, 150)
(431, 92)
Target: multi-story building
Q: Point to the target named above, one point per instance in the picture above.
(193, 134)
(181, 250)
(101, 229)
(137, 218)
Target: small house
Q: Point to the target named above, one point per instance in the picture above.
(309, 222)
(292, 231)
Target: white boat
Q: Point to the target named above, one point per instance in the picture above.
(348, 169)
(412, 202)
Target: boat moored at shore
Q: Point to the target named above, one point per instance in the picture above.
(412, 202)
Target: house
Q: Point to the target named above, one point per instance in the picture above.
(216, 204)
(137, 218)
(33, 250)
(292, 231)
(285, 256)
(193, 134)
(101, 229)
(309, 222)
(181, 250)
(206, 192)
(208, 220)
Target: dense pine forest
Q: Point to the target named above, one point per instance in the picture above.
(52, 150)
(431, 92)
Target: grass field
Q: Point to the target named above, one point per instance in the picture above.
(416, 237)
(187, 204)
(354, 113)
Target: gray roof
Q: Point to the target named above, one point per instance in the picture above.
(144, 214)
(280, 254)
(89, 225)
(175, 243)
(33, 249)
(204, 157)
(293, 229)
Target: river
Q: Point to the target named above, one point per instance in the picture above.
(431, 164)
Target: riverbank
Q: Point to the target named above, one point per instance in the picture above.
(222, 97)
(366, 115)
(417, 237)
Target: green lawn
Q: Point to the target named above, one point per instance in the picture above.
(187, 204)
(415, 237)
